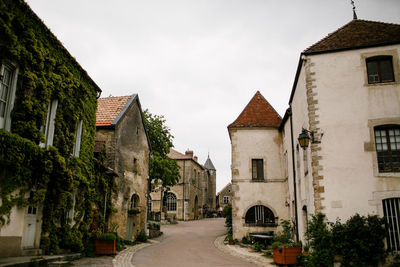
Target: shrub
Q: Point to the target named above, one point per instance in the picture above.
(107, 237)
(141, 237)
(227, 213)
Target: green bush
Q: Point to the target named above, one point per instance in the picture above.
(107, 237)
(141, 237)
(227, 213)
(358, 242)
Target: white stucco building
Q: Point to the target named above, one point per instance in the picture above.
(346, 95)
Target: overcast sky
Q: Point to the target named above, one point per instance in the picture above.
(199, 62)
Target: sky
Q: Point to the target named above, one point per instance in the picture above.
(199, 62)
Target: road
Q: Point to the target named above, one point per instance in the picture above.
(188, 244)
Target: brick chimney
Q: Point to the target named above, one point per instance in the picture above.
(189, 153)
(195, 158)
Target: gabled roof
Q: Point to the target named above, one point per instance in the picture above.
(173, 154)
(223, 189)
(111, 109)
(209, 165)
(357, 34)
(257, 113)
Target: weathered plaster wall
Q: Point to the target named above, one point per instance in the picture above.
(128, 154)
(333, 99)
(248, 144)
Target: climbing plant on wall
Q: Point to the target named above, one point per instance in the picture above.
(47, 71)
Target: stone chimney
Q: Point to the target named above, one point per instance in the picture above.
(195, 158)
(189, 153)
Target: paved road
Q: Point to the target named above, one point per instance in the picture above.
(188, 244)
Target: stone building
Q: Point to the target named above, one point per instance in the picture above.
(120, 129)
(194, 194)
(258, 180)
(346, 94)
(47, 122)
(346, 100)
(224, 197)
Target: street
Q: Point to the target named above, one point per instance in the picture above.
(188, 244)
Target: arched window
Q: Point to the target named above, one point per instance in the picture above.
(387, 140)
(391, 213)
(260, 215)
(134, 201)
(170, 201)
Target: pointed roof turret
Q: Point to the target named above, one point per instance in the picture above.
(257, 113)
(209, 165)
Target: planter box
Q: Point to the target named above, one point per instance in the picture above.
(286, 255)
(105, 247)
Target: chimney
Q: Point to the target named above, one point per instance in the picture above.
(189, 153)
(195, 158)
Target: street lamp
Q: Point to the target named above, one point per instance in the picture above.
(304, 138)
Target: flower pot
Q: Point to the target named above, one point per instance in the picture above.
(286, 255)
(103, 247)
(231, 242)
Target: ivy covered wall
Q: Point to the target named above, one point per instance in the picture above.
(47, 71)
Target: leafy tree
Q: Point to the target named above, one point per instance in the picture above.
(161, 166)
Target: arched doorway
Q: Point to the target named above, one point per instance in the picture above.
(260, 215)
(196, 208)
(133, 221)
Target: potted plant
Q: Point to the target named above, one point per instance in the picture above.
(105, 244)
(285, 249)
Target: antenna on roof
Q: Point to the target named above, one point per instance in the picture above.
(354, 9)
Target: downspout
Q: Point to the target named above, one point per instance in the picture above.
(294, 173)
(183, 208)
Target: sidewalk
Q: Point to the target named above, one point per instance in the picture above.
(244, 253)
(29, 260)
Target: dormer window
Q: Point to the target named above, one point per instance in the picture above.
(380, 69)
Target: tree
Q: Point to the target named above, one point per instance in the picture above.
(161, 166)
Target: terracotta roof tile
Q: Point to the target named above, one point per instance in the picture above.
(173, 154)
(257, 113)
(108, 109)
(357, 34)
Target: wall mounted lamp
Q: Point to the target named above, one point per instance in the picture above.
(304, 138)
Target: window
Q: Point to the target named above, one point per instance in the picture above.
(391, 214)
(226, 200)
(8, 77)
(257, 169)
(78, 135)
(48, 129)
(260, 215)
(387, 140)
(380, 69)
(170, 201)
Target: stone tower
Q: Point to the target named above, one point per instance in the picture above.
(211, 183)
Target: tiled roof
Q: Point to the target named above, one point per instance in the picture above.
(173, 154)
(108, 108)
(358, 34)
(257, 113)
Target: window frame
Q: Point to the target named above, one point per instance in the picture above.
(257, 169)
(379, 60)
(170, 201)
(48, 129)
(390, 156)
(226, 199)
(262, 212)
(10, 98)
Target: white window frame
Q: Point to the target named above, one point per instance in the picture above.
(78, 139)
(5, 123)
(49, 127)
(226, 200)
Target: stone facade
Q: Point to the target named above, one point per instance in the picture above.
(127, 148)
(224, 197)
(258, 182)
(194, 193)
(351, 112)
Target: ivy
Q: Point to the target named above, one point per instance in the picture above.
(47, 71)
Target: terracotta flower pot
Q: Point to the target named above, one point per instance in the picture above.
(105, 247)
(286, 255)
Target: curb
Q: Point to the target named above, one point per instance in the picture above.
(124, 258)
(242, 253)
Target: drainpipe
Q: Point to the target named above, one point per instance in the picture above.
(183, 208)
(294, 173)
